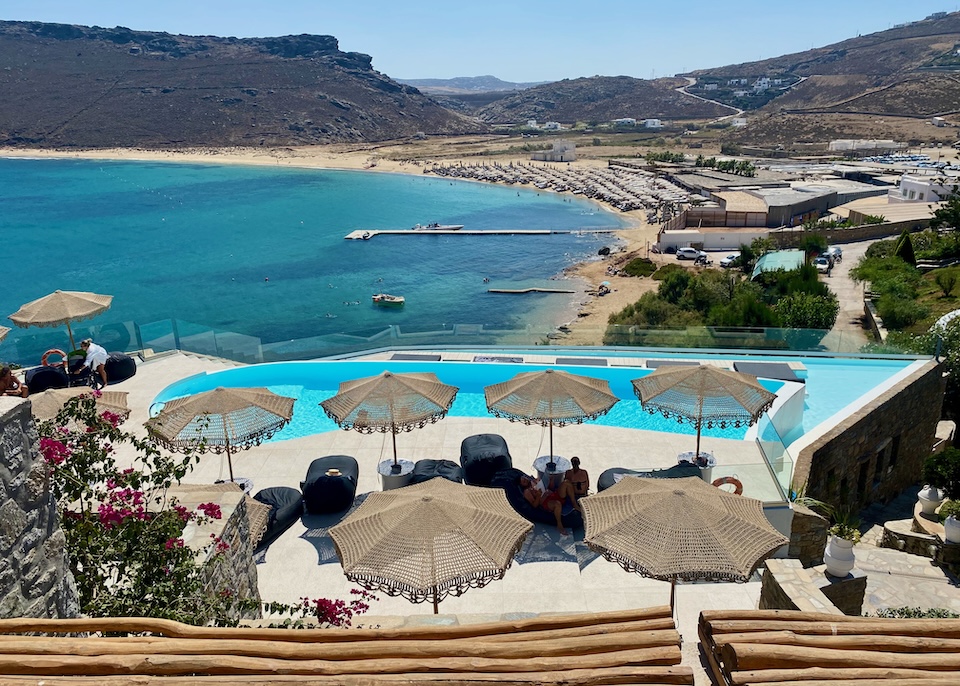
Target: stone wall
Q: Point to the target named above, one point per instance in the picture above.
(787, 585)
(808, 536)
(878, 451)
(35, 579)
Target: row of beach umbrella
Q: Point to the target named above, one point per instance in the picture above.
(438, 538)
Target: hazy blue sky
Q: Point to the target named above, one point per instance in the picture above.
(515, 40)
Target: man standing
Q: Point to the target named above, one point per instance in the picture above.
(96, 359)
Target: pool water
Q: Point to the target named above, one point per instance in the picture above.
(831, 385)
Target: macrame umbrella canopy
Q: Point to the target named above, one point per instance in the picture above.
(431, 540)
(390, 403)
(61, 307)
(704, 396)
(47, 404)
(673, 529)
(550, 398)
(221, 420)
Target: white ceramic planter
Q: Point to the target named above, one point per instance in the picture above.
(930, 499)
(839, 557)
(951, 529)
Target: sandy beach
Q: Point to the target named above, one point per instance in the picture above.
(586, 328)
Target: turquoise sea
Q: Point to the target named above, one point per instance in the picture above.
(260, 251)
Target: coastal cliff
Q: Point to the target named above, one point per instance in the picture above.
(66, 86)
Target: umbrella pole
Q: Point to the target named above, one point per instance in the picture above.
(436, 609)
(229, 461)
(696, 455)
(73, 346)
(395, 469)
(673, 594)
(551, 466)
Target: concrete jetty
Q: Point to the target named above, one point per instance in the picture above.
(529, 290)
(362, 235)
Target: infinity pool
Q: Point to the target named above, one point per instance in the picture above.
(831, 385)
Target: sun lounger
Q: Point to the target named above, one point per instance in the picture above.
(482, 456)
(509, 481)
(284, 507)
(609, 477)
(653, 364)
(331, 484)
(424, 470)
(768, 370)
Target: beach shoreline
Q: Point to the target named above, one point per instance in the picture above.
(585, 323)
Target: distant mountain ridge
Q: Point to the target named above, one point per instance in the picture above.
(63, 85)
(468, 84)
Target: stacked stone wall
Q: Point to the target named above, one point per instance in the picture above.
(35, 580)
(808, 536)
(878, 451)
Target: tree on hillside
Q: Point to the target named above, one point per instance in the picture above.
(904, 249)
(813, 244)
(801, 310)
(949, 214)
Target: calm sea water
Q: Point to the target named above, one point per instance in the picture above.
(260, 251)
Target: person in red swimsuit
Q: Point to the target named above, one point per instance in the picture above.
(536, 493)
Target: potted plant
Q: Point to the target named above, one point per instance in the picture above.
(950, 515)
(838, 555)
(941, 478)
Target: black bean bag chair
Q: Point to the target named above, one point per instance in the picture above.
(607, 478)
(509, 481)
(323, 493)
(119, 367)
(286, 506)
(482, 456)
(42, 378)
(424, 470)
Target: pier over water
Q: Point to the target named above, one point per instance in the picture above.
(362, 235)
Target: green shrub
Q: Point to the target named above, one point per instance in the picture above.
(950, 508)
(946, 279)
(641, 266)
(898, 312)
(942, 470)
(666, 270)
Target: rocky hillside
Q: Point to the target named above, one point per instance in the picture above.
(911, 70)
(75, 86)
(600, 99)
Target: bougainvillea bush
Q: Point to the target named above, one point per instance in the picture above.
(125, 535)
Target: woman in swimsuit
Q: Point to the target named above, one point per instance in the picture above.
(578, 478)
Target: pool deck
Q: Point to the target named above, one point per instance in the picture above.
(552, 573)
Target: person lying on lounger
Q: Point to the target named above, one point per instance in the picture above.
(536, 493)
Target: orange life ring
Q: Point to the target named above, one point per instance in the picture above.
(54, 351)
(737, 486)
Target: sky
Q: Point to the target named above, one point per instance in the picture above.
(514, 40)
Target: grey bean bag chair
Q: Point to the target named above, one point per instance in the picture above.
(424, 470)
(324, 493)
(482, 456)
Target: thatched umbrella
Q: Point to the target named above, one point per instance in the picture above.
(221, 420)
(673, 529)
(430, 540)
(703, 396)
(47, 404)
(61, 307)
(550, 398)
(390, 403)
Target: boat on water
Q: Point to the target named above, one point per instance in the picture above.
(437, 227)
(387, 300)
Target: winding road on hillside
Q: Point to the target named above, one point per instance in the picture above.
(693, 82)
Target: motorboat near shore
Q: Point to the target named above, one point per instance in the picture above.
(437, 227)
(387, 300)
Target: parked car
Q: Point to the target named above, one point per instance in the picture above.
(834, 252)
(822, 264)
(689, 253)
(731, 260)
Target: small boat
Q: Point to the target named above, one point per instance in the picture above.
(437, 227)
(365, 236)
(387, 300)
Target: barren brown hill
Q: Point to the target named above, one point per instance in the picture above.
(63, 85)
(600, 99)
